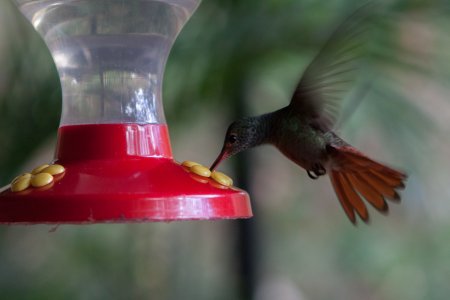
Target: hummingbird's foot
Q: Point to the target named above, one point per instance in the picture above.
(317, 171)
(312, 175)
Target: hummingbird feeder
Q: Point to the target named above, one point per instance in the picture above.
(113, 160)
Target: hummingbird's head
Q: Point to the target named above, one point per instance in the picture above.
(241, 135)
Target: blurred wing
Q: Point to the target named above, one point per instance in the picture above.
(331, 73)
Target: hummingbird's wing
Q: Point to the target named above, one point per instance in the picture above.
(331, 72)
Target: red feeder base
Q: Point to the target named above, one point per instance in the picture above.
(121, 173)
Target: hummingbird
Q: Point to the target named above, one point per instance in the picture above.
(304, 130)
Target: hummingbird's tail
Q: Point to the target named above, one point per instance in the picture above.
(355, 177)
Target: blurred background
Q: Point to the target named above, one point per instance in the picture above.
(237, 58)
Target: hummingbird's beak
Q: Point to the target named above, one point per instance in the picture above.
(223, 154)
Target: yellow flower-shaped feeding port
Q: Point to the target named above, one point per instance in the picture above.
(21, 182)
(39, 169)
(39, 177)
(221, 178)
(189, 164)
(54, 170)
(202, 171)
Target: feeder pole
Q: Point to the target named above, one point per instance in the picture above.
(248, 229)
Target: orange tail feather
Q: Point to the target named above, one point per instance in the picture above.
(355, 177)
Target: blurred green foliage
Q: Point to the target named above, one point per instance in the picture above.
(249, 55)
(29, 92)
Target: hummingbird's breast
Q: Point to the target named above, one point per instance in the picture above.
(301, 142)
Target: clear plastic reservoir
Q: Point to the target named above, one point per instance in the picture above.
(110, 54)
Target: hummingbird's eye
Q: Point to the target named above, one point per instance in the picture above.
(232, 139)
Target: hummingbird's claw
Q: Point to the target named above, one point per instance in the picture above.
(317, 171)
(312, 175)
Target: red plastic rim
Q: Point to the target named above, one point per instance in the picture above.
(121, 173)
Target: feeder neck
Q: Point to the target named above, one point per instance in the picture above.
(112, 142)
